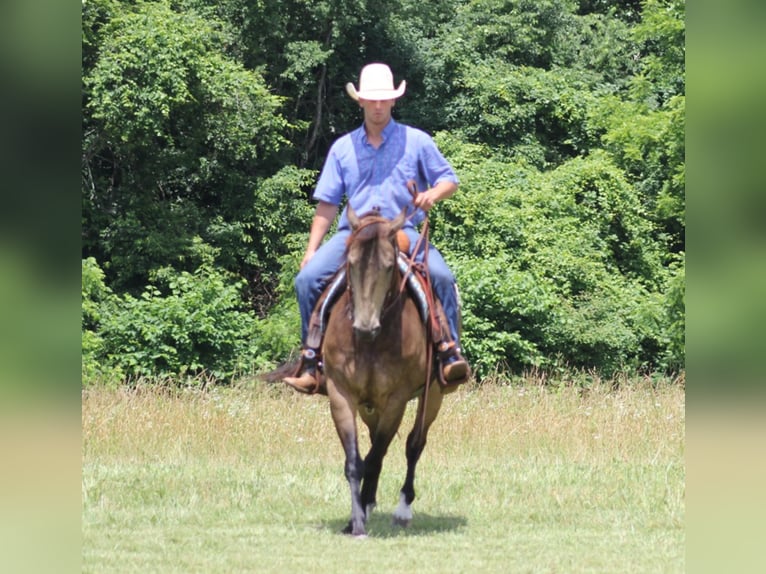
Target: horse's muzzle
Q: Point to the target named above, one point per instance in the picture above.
(365, 334)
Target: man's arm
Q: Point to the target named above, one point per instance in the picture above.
(323, 218)
(431, 196)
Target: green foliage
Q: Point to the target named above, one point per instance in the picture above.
(649, 146)
(97, 301)
(538, 114)
(605, 46)
(176, 136)
(94, 293)
(183, 325)
(161, 74)
(529, 32)
(661, 36)
(674, 321)
(277, 212)
(205, 122)
(557, 268)
(504, 308)
(588, 201)
(277, 335)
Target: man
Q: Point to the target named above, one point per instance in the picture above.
(371, 167)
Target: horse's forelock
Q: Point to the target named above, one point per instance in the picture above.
(369, 232)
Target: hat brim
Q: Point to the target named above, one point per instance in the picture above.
(376, 95)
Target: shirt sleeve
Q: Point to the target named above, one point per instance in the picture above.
(433, 165)
(330, 186)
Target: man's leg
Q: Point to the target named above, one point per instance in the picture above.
(443, 282)
(309, 284)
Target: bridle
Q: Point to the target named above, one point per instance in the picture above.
(392, 294)
(374, 218)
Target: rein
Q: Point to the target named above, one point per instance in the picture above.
(423, 240)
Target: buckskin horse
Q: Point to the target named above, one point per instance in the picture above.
(376, 359)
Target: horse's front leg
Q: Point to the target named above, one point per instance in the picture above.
(382, 431)
(344, 416)
(416, 442)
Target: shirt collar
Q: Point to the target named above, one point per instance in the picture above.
(387, 131)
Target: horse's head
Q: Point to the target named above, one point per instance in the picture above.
(371, 260)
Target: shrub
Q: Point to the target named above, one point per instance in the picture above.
(558, 268)
(182, 325)
(97, 301)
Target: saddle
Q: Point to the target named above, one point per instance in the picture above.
(417, 285)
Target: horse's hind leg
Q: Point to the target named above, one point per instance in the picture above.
(416, 442)
(344, 416)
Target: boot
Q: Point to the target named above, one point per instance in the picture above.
(454, 367)
(307, 380)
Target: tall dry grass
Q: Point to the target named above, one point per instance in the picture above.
(535, 470)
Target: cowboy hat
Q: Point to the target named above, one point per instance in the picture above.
(376, 82)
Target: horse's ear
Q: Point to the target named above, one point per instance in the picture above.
(397, 223)
(353, 219)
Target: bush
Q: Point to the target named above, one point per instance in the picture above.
(674, 322)
(556, 269)
(97, 301)
(504, 309)
(183, 325)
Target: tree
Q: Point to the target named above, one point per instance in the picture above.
(205, 121)
(179, 142)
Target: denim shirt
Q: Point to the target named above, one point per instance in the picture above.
(377, 178)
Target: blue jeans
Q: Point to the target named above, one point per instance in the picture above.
(313, 278)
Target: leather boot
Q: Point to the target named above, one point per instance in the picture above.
(455, 369)
(308, 379)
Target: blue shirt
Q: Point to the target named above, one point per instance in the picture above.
(377, 178)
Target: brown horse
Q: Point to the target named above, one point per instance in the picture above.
(376, 360)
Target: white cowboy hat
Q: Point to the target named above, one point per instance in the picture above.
(376, 82)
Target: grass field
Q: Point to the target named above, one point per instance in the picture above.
(515, 478)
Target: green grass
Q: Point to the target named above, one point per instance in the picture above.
(521, 478)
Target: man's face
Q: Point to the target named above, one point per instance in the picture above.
(377, 112)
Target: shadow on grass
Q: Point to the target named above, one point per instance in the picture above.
(380, 525)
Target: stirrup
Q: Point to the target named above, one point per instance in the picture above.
(454, 373)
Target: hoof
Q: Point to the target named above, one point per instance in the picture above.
(403, 513)
(356, 533)
(403, 522)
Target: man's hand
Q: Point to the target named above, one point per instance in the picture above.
(323, 218)
(425, 200)
(431, 196)
(307, 257)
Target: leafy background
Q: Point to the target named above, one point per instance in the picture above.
(205, 124)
